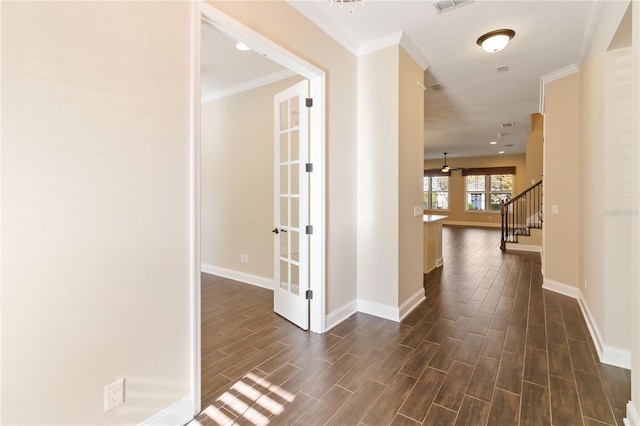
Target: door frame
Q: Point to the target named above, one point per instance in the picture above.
(317, 87)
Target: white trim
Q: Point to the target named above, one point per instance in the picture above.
(552, 76)
(379, 310)
(315, 15)
(524, 247)
(176, 414)
(194, 206)
(248, 85)
(340, 314)
(606, 354)
(243, 277)
(317, 80)
(380, 43)
(478, 224)
(411, 303)
(563, 289)
(414, 51)
(319, 19)
(439, 262)
(632, 419)
(592, 18)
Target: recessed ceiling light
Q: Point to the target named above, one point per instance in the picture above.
(495, 41)
(500, 152)
(242, 46)
(493, 143)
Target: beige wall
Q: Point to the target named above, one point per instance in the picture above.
(378, 168)
(606, 170)
(237, 180)
(95, 209)
(535, 150)
(411, 149)
(589, 113)
(295, 33)
(635, 228)
(457, 197)
(561, 181)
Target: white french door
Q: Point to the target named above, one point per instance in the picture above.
(291, 205)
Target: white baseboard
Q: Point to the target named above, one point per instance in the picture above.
(411, 303)
(379, 310)
(479, 224)
(179, 413)
(238, 276)
(607, 354)
(632, 419)
(524, 247)
(564, 289)
(340, 314)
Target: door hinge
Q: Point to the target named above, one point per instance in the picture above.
(308, 167)
(308, 295)
(308, 229)
(309, 102)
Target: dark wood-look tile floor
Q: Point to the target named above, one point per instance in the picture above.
(488, 346)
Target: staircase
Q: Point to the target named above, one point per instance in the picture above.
(521, 216)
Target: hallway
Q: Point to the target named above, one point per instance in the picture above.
(487, 346)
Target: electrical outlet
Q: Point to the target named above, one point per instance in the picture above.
(244, 258)
(113, 394)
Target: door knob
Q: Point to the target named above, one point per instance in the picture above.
(275, 231)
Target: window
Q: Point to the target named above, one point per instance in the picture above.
(485, 192)
(436, 192)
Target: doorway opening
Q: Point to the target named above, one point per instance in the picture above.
(222, 23)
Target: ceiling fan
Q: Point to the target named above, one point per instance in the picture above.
(445, 167)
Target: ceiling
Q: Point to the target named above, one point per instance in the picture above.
(465, 116)
(225, 70)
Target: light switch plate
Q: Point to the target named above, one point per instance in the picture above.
(417, 211)
(555, 209)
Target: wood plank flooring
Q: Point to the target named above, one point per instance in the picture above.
(487, 346)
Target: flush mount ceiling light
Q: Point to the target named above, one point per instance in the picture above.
(242, 46)
(495, 41)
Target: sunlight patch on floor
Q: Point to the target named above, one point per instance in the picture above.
(242, 397)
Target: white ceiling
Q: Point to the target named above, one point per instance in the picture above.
(225, 70)
(465, 116)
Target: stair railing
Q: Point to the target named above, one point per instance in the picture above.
(520, 214)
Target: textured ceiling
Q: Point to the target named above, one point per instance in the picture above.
(465, 115)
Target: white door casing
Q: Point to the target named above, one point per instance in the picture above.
(317, 87)
(291, 205)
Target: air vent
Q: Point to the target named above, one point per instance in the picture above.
(436, 87)
(503, 68)
(503, 125)
(448, 5)
(509, 145)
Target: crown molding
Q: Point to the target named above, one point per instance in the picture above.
(247, 85)
(552, 76)
(320, 20)
(414, 51)
(592, 18)
(380, 43)
(399, 38)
